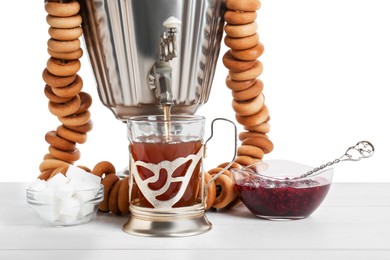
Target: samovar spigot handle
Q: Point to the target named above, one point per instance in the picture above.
(160, 77)
(168, 43)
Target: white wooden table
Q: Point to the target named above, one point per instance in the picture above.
(352, 223)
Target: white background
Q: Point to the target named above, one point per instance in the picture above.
(326, 76)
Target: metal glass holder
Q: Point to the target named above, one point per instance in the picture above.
(174, 222)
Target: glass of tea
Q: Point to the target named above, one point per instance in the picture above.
(166, 176)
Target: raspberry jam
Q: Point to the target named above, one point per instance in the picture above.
(281, 199)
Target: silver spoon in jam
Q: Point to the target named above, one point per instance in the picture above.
(362, 149)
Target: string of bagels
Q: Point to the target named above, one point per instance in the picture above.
(70, 104)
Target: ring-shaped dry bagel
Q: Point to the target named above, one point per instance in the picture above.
(243, 5)
(51, 164)
(250, 150)
(243, 43)
(108, 183)
(226, 194)
(236, 65)
(71, 90)
(241, 31)
(65, 34)
(74, 55)
(63, 67)
(67, 156)
(45, 175)
(239, 85)
(86, 102)
(260, 128)
(249, 107)
(113, 198)
(62, 9)
(233, 166)
(249, 93)
(234, 17)
(48, 156)
(64, 22)
(249, 74)
(85, 128)
(245, 160)
(57, 81)
(63, 46)
(66, 108)
(58, 142)
(244, 135)
(249, 54)
(71, 135)
(264, 143)
(216, 170)
(211, 193)
(123, 196)
(255, 119)
(103, 168)
(53, 97)
(75, 120)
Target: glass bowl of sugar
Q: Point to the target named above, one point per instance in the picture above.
(66, 200)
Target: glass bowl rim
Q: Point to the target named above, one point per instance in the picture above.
(29, 190)
(282, 179)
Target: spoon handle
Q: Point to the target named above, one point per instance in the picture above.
(362, 149)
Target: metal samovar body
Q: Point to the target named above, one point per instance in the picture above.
(125, 40)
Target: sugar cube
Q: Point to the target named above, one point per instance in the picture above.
(56, 180)
(87, 191)
(45, 197)
(64, 191)
(92, 178)
(49, 213)
(75, 173)
(38, 185)
(70, 207)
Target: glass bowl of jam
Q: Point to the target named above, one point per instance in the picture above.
(273, 189)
